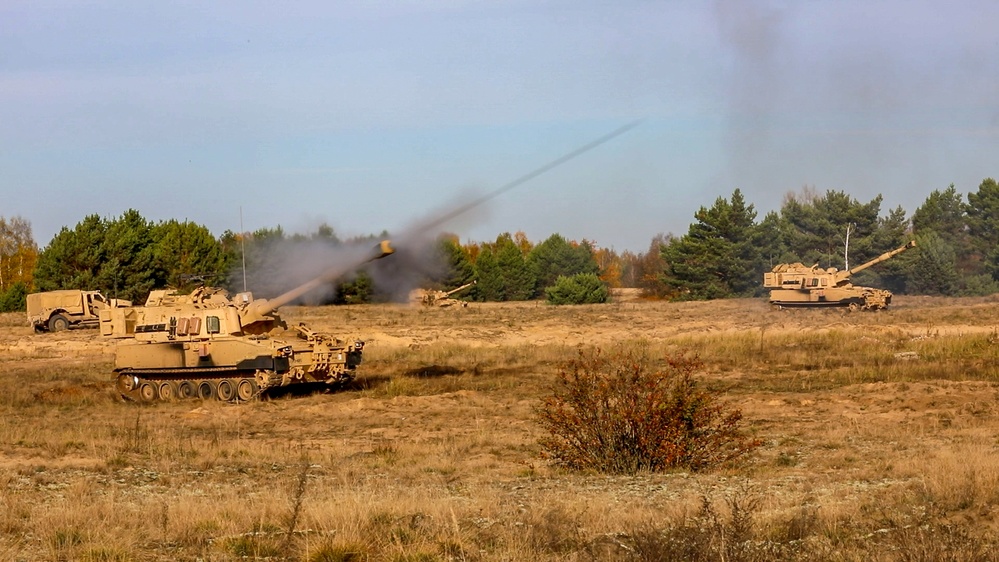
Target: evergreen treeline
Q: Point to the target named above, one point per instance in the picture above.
(726, 251)
(723, 254)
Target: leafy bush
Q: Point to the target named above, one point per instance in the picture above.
(13, 299)
(582, 288)
(979, 285)
(617, 414)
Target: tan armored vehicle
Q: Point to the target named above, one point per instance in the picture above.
(797, 285)
(210, 346)
(440, 299)
(58, 310)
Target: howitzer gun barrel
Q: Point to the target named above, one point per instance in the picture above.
(462, 288)
(258, 309)
(844, 275)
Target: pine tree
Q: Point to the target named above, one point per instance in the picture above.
(74, 258)
(983, 215)
(718, 256)
(184, 251)
(128, 269)
(933, 271)
(517, 277)
(556, 257)
(457, 267)
(487, 271)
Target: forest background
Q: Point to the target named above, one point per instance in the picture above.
(723, 254)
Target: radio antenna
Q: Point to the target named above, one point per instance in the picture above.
(242, 245)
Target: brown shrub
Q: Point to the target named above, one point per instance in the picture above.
(619, 414)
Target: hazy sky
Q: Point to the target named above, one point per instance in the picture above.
(371, 115)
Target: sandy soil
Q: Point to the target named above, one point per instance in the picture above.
(465, 435)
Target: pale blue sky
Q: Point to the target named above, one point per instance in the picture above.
(370, 115)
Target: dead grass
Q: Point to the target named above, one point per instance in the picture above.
(878, 436)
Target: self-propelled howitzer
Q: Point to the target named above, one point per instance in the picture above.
(798, 285)
(210, 346)
(442, 299)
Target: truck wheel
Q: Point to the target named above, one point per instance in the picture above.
(58, 323)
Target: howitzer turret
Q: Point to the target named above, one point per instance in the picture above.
(210, 346)
(798, 285)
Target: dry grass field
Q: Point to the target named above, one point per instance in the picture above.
(880, 440)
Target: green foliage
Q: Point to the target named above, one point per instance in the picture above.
(128, 269)
(255, 249)
(582, 288)
(74, 258)
(503, 273)
(983, 216)
(490, 285)
(979, 286)
(458, 268)
(358, 290)
(13, 299)
(617, 414)
(719, 256)
(772, 240)
(518, 278)
(815, 229)
(943, 212)
(185, 249)
(933, 270)
(128, 256)
(556, 257)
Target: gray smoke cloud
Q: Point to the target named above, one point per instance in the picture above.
(867, 98)
(281, 265)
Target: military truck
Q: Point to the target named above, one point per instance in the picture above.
(59, 310)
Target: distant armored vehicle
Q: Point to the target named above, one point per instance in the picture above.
(797, 285)
(58, 310)
(440, 299)
(210, 346)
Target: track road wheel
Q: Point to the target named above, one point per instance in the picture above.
(245, 389)
(206, 390)
(226, 390)
(58, 323)
(147, 393)
(167, 391)
(186, 389)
